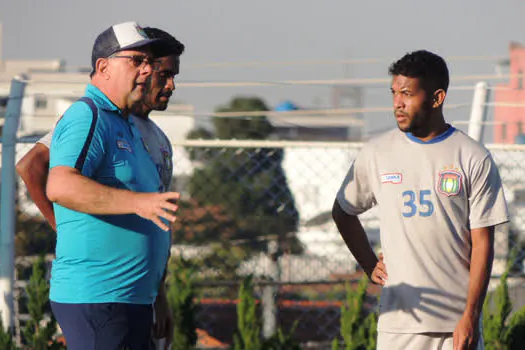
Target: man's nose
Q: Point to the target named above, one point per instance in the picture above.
(146, 68)
(398, 101)
(170, 84)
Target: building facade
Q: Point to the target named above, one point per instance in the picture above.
(509, 116)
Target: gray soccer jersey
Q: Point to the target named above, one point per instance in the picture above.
(430, 195)
(159, 147)
(155, 141)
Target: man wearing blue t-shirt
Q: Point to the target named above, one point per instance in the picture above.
(112, 222)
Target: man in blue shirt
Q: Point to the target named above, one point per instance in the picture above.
(112, 222)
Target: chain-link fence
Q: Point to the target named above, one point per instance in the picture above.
(263, 208)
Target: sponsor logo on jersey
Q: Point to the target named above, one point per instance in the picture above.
(123, 144)
(449, 183)
(392, 178)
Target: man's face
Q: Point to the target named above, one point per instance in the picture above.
(129, 72)
(411, 103)
(161, 83)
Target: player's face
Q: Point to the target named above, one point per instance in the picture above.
(129, 71)
(161, 83)
(411, 103)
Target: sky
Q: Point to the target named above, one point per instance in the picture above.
(229, 31)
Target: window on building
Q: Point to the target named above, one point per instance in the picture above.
(503, 132)
(520, 80)
(40, 102)
(519, 126)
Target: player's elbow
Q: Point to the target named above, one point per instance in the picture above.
(55, 189)
(61, 184)
(52, 191)
(23, 166)
(34, 164)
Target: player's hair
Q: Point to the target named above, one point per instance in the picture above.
(429, 68)
(171, 45)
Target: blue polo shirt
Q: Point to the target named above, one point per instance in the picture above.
(105, 258)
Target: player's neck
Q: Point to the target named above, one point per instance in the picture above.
(141, 116)
(141, 112)
(435, 127)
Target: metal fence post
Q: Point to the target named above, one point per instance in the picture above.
(7, 200)
(269, 294)
(478, 113)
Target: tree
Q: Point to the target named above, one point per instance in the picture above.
(6, 338)
(358, 330)
(515, 332)
(38, 333)
(496, 309)
(501, 332)
(181, 292)
(248, 334)
(248, 184)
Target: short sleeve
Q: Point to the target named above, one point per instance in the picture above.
(487, 203)
(355, 195)
(78, 140)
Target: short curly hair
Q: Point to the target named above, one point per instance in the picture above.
(428, 67)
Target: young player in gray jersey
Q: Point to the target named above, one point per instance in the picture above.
(33, 167)
(439, 195)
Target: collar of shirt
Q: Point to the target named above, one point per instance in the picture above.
(101, 100)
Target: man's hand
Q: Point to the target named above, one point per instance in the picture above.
(163, 326)
(155, 206)
(379, 275)
(466, 334)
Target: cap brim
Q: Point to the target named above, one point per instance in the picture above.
(139, 44)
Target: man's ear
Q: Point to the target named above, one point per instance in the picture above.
(102, 68)
(438, 98)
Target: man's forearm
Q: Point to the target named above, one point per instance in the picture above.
(480, 269)
(77, 192)
(33, 169)
(355, 238)
(36, 188)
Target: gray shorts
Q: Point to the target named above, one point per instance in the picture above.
(417, 341)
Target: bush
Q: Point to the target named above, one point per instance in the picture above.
(6, 338)
(180, 293)
(39, 333)
(358, 330)
(500, 332)
(248, 334)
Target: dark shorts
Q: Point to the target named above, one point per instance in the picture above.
(105, 326)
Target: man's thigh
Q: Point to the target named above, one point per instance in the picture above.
(110, 326)
(418, 341)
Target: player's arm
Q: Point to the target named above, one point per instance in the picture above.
(480, 269)
(357, 242)
(77, 150)
(33, 169)
(466, 334)
(69, 188)
(354, 197)
(488, 208)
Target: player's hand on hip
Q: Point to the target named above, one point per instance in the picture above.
(379, 275)
(156, 206)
